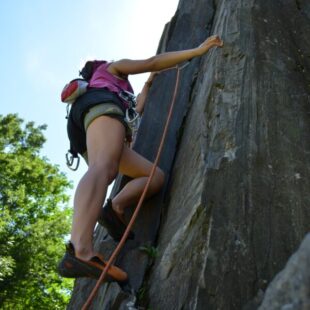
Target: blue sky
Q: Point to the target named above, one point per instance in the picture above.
(45, 42)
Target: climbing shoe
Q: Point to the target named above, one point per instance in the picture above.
(112, 223)
(72, 267)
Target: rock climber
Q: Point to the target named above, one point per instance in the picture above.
(97, 129)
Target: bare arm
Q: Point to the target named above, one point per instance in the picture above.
(162, 61)
(143, 94)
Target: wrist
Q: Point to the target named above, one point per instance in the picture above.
(203, 49)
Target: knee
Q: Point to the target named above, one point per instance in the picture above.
(112, 171)
(159, 178)
(105, 170)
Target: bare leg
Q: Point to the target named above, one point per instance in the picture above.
(105, 142)
(135, 166)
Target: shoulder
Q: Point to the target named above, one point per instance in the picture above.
(114, 68)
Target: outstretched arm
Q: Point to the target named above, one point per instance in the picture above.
(162, 61)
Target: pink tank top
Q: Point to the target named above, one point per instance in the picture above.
(103, 78)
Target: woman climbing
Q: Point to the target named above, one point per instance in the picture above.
(97, 130)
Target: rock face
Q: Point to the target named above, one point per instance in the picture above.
(291, 287)
(237, 161)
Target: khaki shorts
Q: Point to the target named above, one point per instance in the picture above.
(111, 109)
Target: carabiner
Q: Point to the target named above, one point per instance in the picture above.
(70, 160)
(131, 115)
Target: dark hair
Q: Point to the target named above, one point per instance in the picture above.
(89, 68)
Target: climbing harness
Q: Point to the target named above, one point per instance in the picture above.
(132, 119)
(130, 98)
(135, 214)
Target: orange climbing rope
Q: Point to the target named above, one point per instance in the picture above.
(135, 214)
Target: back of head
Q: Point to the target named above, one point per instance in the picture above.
(90, 67)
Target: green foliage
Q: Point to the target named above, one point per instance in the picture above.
(34, 220)
(141, 293)
(151, 251)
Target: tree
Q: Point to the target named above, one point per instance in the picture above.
(34, 220)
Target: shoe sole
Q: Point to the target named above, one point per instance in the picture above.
(72, 267)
